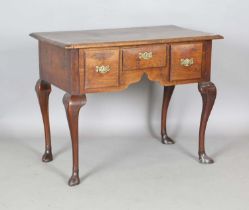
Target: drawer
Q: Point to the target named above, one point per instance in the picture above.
(148, 56)
(186, 61)
(101, 68)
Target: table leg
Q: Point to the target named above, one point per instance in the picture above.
(208, 93)
(72, 104)
(43, 90)
(168, 91)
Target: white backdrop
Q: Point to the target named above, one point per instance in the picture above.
(137, 108)
(171, 178)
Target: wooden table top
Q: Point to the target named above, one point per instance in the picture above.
(122, 36)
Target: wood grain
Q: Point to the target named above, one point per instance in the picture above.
(123, 36)
(185, 51)
(132, 61)
(59, 67)
(101, 57)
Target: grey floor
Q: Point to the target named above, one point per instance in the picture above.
(125, 173)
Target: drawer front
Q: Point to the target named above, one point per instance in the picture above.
(149, 56)
(186, 61)
(101, 68)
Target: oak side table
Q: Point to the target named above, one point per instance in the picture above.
(81, 62)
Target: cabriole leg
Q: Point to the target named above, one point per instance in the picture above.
(168, 91)
(72, 104)
(43, 90)
(208, 93)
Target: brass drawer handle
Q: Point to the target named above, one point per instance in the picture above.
(145, 55)
(187, 62)
(103, 69)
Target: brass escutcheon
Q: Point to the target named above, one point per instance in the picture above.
(187, 62)
(145, 55)
(103, 69)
